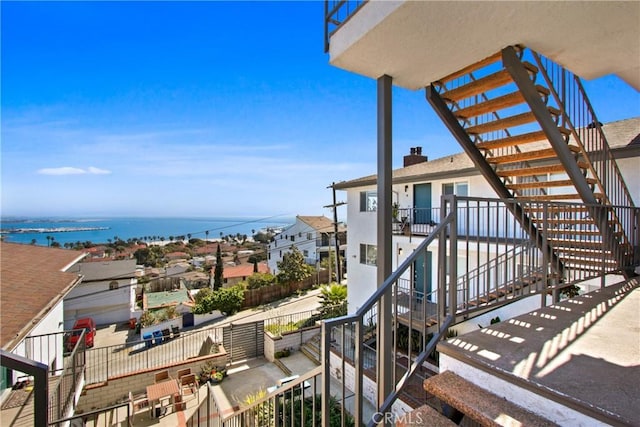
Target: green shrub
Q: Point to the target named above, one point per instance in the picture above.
(260, 280)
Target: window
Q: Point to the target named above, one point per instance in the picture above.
(368, 254)
(113, 285)
(309, 236)
(293, 238)
(305, 253)
(457, 188)
(368, 201)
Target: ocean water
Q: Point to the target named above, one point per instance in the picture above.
(102, 230)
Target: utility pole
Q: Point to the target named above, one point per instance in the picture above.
(335, 231)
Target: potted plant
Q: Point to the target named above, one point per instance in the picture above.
(216, 377)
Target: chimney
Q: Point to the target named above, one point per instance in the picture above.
(414, 157)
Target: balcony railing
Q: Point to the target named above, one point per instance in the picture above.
(336, 12)
(106, 362)
(294, 404)
(67, 377)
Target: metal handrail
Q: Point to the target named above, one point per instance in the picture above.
(333, 19)
(568, 92)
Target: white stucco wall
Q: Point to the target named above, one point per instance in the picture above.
(96, 300)
(630, 170)
(363, 225)
(45, 349)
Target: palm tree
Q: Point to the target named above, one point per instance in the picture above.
(48, 240)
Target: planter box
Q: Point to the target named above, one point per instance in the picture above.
(292, 340)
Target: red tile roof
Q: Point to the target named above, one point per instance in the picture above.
(32, 281)
(243, 270)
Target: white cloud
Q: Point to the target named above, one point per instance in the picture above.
(98, 171)
(68, 170)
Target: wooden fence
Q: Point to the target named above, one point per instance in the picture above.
(267, 294)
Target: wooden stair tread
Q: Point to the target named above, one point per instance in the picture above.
(546, 184)
(484, 84)
(547, 153)
(537, 170)
(567, 221)
(471, 68)
(424, 415)
(574, 243)
(478, 86)
(572, 262)
(479, 404)
(507, 122)
(511, 141)
(565, 209)
(550, 197)
(495, 104)
(577, 231)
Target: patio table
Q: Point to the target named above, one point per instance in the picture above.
(161, 390)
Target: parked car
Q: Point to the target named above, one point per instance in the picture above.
(89, 326)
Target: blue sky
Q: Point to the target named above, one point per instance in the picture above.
(195, 109)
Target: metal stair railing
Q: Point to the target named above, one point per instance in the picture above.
(350, 329)
(579, 117)
(498, 279)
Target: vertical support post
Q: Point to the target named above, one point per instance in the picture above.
(442, 271)
(384, 342)
(359, 374)
(453, 259)
(40, 372)
(335, 236)
(326, 373)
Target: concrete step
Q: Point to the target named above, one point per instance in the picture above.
(478, 404)
(282, 367)
(313, 356)
(424, 416)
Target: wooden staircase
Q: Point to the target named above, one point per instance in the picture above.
(501, 112)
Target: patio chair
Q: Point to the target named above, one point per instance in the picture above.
(182, 372)
(138, 403)
(189, 386)
(161, 376)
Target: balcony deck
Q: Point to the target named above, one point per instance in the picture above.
(583, 353)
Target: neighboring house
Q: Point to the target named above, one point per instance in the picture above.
(417, 189)
(107, 293)
(177, 268)
(313, 236)
(34, 280)
(194, 279)
(238, 273)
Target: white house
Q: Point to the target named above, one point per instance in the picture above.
(35, 279)
(417, 189)
(107, 293)
(313, 236)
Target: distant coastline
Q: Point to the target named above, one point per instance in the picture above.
(50, 230)
(106, 230)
